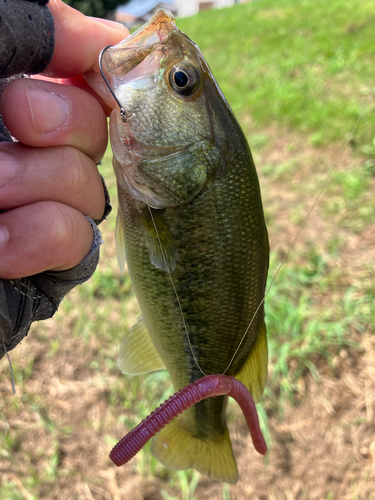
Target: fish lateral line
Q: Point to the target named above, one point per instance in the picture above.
(203, 388)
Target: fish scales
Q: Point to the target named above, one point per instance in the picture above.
(211, 271)
(192, 230)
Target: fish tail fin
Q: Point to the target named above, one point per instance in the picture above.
(177, 449)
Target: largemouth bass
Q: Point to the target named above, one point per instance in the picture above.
(191, 228)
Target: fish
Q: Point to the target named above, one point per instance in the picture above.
(191, 229)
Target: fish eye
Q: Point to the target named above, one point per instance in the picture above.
(184, 79)
(180, 79)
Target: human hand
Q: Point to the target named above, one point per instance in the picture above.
(49, 180)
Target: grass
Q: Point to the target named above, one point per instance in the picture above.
(308, 65)
(298, 72)
(302, 331)
(188, 483)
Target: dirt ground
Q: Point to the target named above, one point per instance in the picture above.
(323, 449)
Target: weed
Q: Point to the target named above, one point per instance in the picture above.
(188, 482)
(226, 492)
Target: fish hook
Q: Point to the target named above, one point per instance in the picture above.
(122, 109)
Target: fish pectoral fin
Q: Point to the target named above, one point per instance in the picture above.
(159, 240)
(138, 353)
(120, 241)
(177, 449)
(253, 373)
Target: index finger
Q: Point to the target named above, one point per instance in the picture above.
(79, 40)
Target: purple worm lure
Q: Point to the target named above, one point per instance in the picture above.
(205, 387)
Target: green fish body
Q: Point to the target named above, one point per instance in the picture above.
(191, 229)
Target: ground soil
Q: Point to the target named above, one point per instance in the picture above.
(322, 449)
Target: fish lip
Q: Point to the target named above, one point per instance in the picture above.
(139, 44)
(162, 18)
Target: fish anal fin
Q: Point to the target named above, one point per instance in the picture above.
(138, 353)
(177, 449)
(253, 373)
(161, 246)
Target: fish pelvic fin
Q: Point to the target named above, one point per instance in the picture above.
(253, 373)
(120, 241)
(138, 353)
(177, 449)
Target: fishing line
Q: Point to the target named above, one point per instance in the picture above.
(123, 117)
(176, 294)
(323, 187)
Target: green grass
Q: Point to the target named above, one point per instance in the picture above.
(308, 64)
(309, 317)
(188, 482)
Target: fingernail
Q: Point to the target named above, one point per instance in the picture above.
(4, 237)
(8, 168)
(49, 111)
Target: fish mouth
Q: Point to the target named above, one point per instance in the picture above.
(149, 51)
(122, 58)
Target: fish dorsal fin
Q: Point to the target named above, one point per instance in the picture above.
(138, 353)
(253, 373)
(161, 246)
(120, 241)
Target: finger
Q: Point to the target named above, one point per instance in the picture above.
(61, 174)
(76, 81)
(72, 30)
(42, 236)
(42, 114)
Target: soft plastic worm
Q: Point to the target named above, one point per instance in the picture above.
(205, 387)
